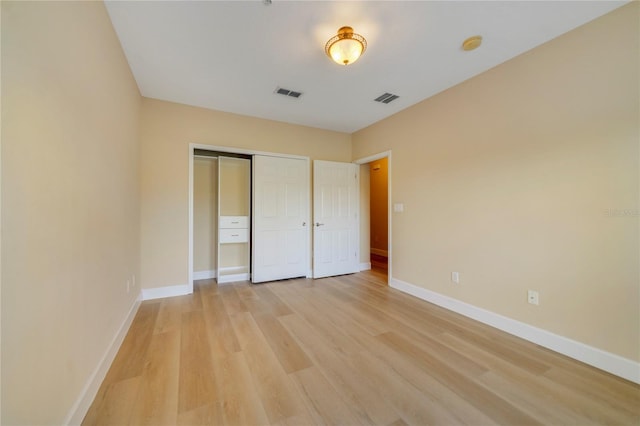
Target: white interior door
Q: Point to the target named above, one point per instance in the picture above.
(336, 200)
(280, 218)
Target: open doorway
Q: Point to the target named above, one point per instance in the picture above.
(379, 214)
(375, 224)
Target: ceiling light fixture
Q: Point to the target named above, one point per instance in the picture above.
(345, 47)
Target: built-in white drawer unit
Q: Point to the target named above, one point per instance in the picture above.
(234, 236)
(234, 222)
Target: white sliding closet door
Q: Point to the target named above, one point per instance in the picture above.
(280, 218)
(336, 201)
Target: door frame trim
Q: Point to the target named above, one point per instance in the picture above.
(369, 159)
(232, 150)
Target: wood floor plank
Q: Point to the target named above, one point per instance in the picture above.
(129, 361)
(197, 381)
(190, 302)
(367, 403)
(342, 350)
(323, 325)
(278, 396)
(566, 402)
(210, 414)
(413, 406)
(232, 302)
(418, 376)
(222, 338)
(611, 393)
(157, 402)
(240, 401)
(309, 298)
(115, 407)
(398, 422)
(533, 404)
(169, 315)
(287, 351)
(275, 305)
(494, 406)
(323, 402)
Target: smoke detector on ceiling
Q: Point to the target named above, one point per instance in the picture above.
(472, 43)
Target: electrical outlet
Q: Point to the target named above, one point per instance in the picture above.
(533, 297)
(455, 277)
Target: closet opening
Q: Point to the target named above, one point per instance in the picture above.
(248, 215)
(221, 216)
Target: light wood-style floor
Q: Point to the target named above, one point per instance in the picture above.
(345, 351)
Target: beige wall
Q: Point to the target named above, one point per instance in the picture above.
(205, 213)
(166, 131)
(379, 170)
(235, 187)
(507, 179)
(70, 202)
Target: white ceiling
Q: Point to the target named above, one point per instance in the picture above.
(231, 55)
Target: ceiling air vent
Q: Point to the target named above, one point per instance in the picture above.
(287, 92)
(386, 98)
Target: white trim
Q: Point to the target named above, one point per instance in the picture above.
(365, 266)
(168, 291)
(232, 278)
(595, 357)
(309, 260)
(233, 150)
(203, 275)
(373, 157)
(190, 249)
(90, 390)
(379, 252)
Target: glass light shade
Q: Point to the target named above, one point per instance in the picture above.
(346, 47)
(346, 51)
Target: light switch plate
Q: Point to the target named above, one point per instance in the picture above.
(398, 207)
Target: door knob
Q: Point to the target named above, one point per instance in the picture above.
(304, 223)
(319, 224)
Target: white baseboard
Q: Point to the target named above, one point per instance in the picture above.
(365, 266)
(379, 252)
(90, 390)
(595, 357)
(203, 275)
(162, 292)
(231, 278)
